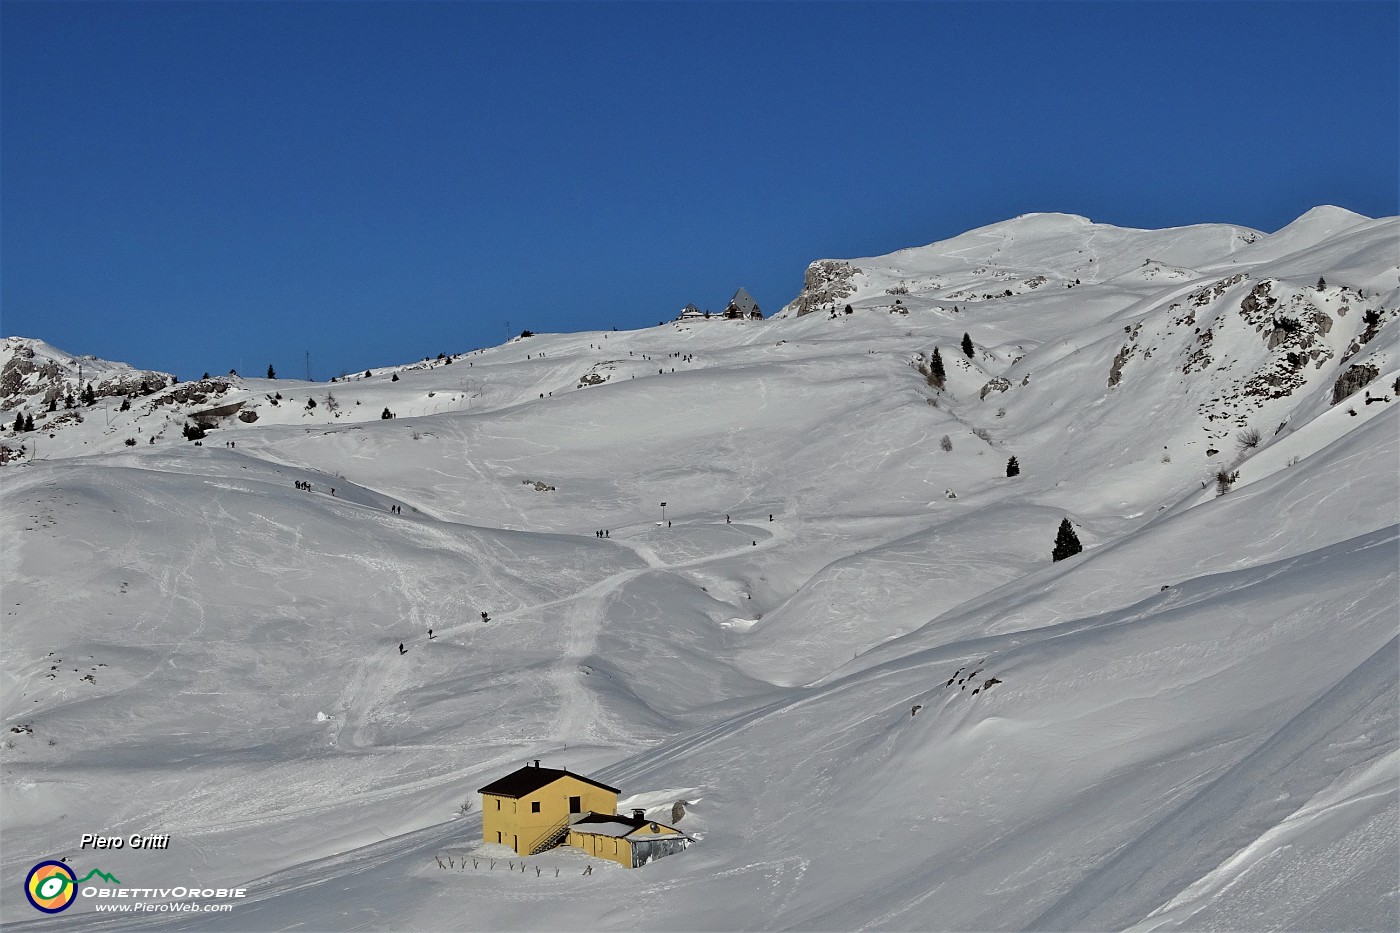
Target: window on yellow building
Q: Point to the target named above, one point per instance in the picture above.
(534, 806)
(498, 804)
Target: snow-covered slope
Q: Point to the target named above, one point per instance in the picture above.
(845, 645)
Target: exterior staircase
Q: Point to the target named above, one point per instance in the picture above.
(551, 838)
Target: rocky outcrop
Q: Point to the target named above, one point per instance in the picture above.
(1352, 381)
(999, 384)
(826, 284)
(194, 393)
(34, 374)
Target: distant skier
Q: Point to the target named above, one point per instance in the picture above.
(726, 520)
(770, 516)
(402, 649)
(431, 636)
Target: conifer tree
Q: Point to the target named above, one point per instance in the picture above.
(967, 346)
(271, 373)
(387, 414)
(1013, 468)
(19, 423)
(936, 374)
(1066, 542)
(29, 422)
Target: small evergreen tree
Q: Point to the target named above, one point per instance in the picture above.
(386, 415)
(1066, 542)
(967, 346)
(29, 422)
(88, 396)
(271, 373)
(849, 310)
(396, 378)
(1013, 468)
(125, 405)
(936, 374)
(1321, 283)
(19, 423)
(53, 403)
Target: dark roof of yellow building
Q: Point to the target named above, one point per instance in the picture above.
(527, 780)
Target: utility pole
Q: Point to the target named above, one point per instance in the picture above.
(308, 365)
(663, 513)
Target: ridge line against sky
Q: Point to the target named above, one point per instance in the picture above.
(199, 187)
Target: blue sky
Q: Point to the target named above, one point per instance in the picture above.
(196, 187)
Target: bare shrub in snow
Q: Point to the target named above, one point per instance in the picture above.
(1224, 479)
(946, 443)
(983, 433)
(1248, 439)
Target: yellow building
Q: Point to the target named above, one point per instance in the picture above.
(530, 809)
(631, 841)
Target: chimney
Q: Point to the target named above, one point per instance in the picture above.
(639, 814)
(537, 762)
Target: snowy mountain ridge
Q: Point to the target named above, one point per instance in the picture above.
(842, 642)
